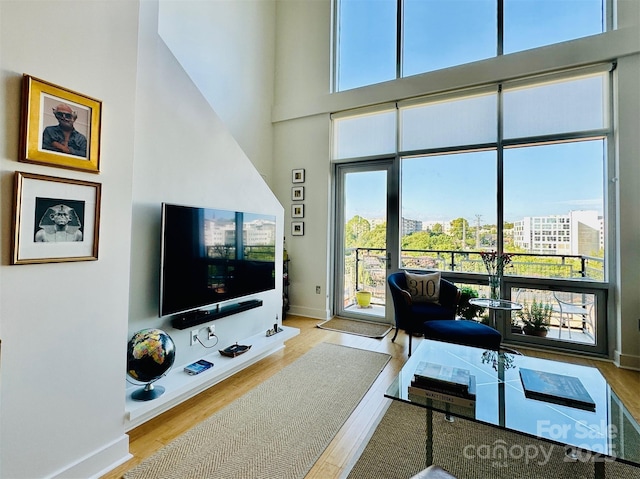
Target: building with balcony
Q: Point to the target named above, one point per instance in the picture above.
(410, 226)
(576, 233)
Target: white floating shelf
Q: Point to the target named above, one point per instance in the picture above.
(180, 386)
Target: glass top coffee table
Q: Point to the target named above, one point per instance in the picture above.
(495, 305)
(610, 433)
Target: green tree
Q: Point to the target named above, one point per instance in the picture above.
(376, 237)
(355, 230)
(460, 228)
(425, 240)
(443, 242)
(417, 240)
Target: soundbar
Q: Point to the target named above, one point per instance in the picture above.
(195, 318)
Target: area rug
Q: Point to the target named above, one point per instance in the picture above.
(360, 328)
(277, 430)
(467, 450)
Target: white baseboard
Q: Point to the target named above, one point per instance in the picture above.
(310, 312)
(99, 462)
(627, 361)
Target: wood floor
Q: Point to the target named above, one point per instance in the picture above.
(153, 435)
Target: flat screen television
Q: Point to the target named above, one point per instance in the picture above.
(209, 256)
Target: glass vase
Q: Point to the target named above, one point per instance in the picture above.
(494, 287)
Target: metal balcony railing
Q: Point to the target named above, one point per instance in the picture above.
(365, 268)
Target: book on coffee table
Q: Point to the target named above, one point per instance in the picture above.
(556, 388)
(447, 396)
(444, 377)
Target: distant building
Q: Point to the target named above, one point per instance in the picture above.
(410, 226)
(222, 232)
(429, 226)
(219, 232)
(579, 232)
(259, 233)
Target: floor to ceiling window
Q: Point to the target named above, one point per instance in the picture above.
(381, 40)
(366, 50)
(441, 34)
(519, 167)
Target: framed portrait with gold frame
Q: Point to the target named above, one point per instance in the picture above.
(55, 219)
(59, 127)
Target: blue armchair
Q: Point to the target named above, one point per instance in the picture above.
(437, 320)
(410, 316)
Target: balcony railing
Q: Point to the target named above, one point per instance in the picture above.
(365, 268)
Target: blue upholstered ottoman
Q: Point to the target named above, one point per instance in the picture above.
(461, 331)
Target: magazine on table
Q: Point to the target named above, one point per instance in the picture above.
(556, 388)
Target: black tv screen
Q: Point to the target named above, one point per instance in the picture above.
(211, 255)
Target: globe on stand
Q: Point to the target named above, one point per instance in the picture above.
(150, 354)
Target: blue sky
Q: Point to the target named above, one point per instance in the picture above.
(432, 41)
(539, 181)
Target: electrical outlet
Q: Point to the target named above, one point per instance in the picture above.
(194, 337)
(317, 289)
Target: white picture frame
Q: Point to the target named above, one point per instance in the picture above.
(297, 210)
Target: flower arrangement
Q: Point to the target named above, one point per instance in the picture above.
(495, 263)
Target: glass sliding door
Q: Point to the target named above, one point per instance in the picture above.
(363, 196)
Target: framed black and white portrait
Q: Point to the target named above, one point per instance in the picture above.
(56, 219)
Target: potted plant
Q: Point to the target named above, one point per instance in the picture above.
(466, 310)
(535, 318)
(516, 325)
(363, 298)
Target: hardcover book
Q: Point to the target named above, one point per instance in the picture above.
(556, 388)
(440, 394)
(420, 393)
(437, 388)
(447, 377)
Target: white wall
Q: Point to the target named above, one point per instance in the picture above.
(302, 98)
(64, 327)
(227, 48)
(627, 313)
(184, 154)
(302, 73)
(304, 143)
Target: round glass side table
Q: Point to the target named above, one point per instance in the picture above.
(495, 305)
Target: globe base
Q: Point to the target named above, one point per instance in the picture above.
(147, 393)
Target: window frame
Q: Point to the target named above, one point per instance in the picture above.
(600, 288)
(609, 23)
